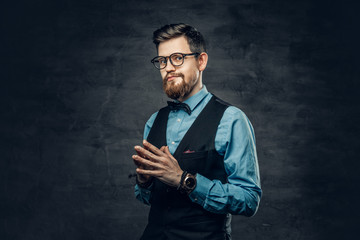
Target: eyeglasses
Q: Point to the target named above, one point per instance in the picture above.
(176, 59)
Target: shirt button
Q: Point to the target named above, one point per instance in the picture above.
(195, 199)
(172, 142)
(178, 119)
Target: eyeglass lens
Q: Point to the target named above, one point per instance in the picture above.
(176, 59)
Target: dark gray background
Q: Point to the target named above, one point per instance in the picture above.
(77, 87)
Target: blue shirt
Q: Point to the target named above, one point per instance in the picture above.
(235, 140)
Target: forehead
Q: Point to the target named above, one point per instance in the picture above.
(179, 44)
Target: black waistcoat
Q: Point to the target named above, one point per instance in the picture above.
(173, 215)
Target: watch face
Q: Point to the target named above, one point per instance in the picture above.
(190, 182)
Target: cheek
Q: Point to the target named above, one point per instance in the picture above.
(188, 72)
(191, 74)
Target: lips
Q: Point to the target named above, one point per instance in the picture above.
(172, 77)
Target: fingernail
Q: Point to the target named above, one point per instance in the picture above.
(137, 147)
(144, 141)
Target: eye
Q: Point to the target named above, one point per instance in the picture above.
(161, 60)
(178, 57)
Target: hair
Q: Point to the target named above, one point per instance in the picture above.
(194, 37)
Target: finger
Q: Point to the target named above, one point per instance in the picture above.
(146, 154)
(154, 173)
(145, 162)
(137, 163)
(152, 148)
(162, 148)
(139, 152)
(140, 165)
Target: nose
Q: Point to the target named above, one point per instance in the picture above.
(169, 67)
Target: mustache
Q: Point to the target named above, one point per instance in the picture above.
(169, 75)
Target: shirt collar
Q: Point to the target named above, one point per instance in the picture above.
(193, 101)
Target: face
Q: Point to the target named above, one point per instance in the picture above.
(180, 82)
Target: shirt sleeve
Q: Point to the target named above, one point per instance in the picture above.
(144, 194)
(241, 194)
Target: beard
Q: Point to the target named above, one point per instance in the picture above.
(175, 90)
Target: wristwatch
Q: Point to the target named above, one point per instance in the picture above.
(188, 184)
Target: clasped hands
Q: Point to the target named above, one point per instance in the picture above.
(154, 162)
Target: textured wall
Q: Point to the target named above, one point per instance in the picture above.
(77, 87)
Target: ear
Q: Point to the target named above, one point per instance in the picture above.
(202, 60)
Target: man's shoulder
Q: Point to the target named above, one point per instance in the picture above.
(152, 118)
(233, 110)
(233, 113)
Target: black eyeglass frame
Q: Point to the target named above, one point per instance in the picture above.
(169, 57)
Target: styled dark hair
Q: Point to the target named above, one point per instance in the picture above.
(194, 37)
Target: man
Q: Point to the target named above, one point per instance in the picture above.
(198, 164)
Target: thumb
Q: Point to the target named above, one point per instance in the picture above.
(167, 151)
(163, 148)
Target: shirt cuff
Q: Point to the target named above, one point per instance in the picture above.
(203, 185)
(143, 194)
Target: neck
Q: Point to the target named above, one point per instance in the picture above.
(195, 90)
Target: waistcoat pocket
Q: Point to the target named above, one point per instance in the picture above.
(194, 155)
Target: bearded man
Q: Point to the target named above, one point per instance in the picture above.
(198, 163)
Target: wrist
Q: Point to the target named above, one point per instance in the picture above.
(187, 183)
(143, 183)
(182, 177)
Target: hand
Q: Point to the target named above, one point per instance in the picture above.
(141, 177)
(157, 163)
